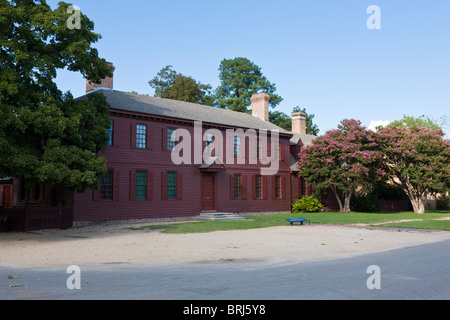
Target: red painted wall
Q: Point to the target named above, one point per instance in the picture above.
(124, 158)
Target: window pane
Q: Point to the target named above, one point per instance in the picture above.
(141, 136)
(303, 187)
(237, 186)
(237, 143)
(141, 185)
(171, 135)
(171, 185)
(258, 187)
(208, 143)
(106, 186)
(110, 134)
(277, 187)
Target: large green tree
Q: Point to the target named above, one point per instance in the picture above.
(239, 80)
(170, 84)
(410, 121)
(47, 136)
(280, 119)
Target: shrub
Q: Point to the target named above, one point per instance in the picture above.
(442, 205)
(366, 203)
(306, 204)
(386, 191)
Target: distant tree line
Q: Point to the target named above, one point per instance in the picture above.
(239, 78)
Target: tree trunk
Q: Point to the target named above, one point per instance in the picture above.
(338, 199)
(344, 207)
(418, 205)
(347, 199)
(417, 198)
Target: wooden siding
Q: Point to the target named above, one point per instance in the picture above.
(124, 159)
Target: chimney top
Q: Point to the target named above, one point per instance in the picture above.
(107, 83)
(299, 122)
(260, 106)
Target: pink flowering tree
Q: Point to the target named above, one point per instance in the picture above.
(417, 159)
(341, 161)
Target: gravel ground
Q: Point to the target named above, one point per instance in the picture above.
(115, 243)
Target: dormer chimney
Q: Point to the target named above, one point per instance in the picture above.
(107, 83)
(299, 122)
(260, 106)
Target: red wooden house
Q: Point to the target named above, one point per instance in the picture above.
(144, 182)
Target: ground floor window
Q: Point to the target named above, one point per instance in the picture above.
(171, 185)
(303, 189)
(141, 185)
(258, 186)
(237, 186)
(278, 187)
(106, 186)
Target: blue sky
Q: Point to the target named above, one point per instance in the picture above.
(320, 54)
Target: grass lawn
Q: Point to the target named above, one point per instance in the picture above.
(429, 221)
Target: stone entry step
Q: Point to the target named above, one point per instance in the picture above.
(212, 216)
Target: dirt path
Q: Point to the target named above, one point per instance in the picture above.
(117, 244)
(406, 220)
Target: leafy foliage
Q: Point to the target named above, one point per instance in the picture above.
(388, 191)
(342, 160)
(280, 119)
(311, 127)
(284, 121)
(366, 203)
(45, 135)
(443, 204)
(417, 159)
(409, 122)
(239, 80)
(172, 85)
(307, 204)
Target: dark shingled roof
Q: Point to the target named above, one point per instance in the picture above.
(183, 110)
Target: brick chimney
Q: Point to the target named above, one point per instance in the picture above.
(107, 83)
(260, 106)
(299, 122)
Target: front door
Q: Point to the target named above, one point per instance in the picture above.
(208, 192)
(7, 197)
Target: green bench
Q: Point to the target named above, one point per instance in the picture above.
(301, 220)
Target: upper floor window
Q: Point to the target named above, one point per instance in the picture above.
(141, 136)
(110, 134)
(237, 146)
(208, 143)
(171, 139)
